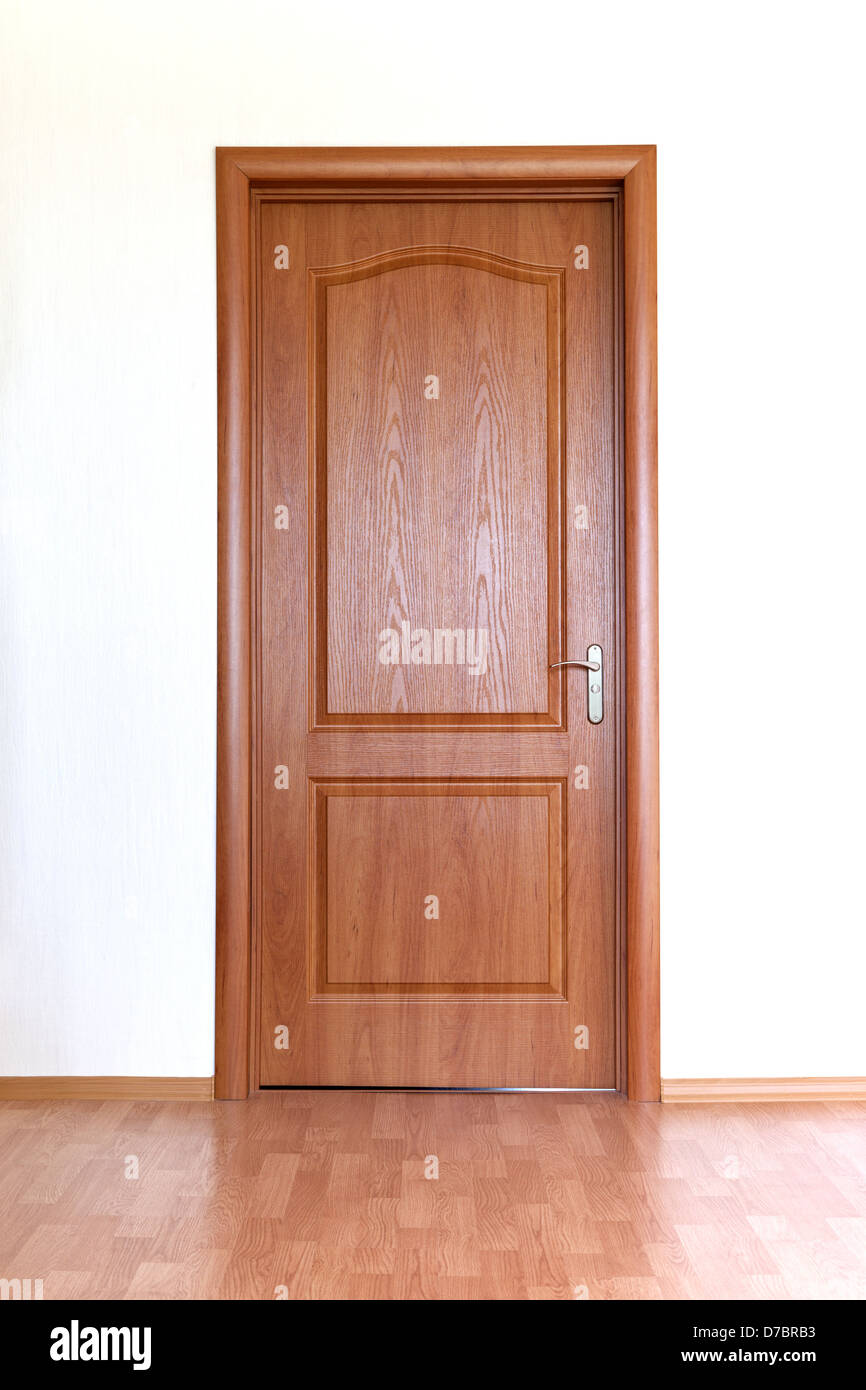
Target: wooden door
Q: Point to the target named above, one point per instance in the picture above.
(435, 849)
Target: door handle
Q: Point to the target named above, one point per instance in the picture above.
(594, 682)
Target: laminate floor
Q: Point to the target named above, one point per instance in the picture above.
(407, 1195)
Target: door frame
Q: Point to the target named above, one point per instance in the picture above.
(417, 173)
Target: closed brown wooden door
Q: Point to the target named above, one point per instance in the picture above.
(436, 816)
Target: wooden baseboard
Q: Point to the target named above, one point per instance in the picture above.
(685, 1091)
(699, 1091)
(106, 1088)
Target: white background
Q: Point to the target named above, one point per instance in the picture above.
(110, 115)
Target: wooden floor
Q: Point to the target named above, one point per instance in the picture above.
(539, 1196)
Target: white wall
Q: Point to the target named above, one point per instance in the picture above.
(110, 114)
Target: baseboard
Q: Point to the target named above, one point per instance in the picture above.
(679, 1091)
(773, 1088)
(106, 1088)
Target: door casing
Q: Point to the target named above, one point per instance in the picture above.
(416, 173)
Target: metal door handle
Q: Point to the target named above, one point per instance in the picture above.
(594, 682)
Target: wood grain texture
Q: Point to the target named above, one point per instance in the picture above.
(391, 530)
(433, 511)
(323, 1195)
(492, 856)
(351, 752)
(457, 169)
(642, 632)
(691, 1091)
(106, 1087)
(233, 830)
(464, 175)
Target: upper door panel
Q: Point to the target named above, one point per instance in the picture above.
(437, 448)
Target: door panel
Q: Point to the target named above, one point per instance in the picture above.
(453, 484)
(493, 853)
(436, 846)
